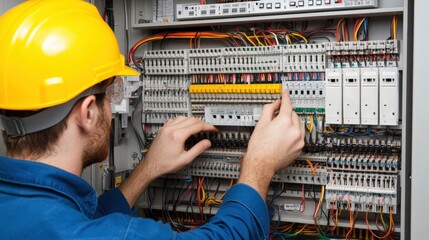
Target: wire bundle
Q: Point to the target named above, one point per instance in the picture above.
(342, 30)
(360, 29)
(393, 27)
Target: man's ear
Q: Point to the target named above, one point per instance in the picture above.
(86, 113)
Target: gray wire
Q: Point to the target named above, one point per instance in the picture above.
(136, 132)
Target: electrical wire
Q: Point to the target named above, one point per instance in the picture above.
(140, 140)
(178, 35)
(393, 27)
(389, 231)
(108, 14)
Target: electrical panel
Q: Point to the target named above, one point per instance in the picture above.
(347, 93)
(344, 105)
(266, 7)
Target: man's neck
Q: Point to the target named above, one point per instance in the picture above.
(67, 155)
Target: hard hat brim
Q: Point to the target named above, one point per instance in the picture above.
(127, 71)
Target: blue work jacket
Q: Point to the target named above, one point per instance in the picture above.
(39, 201)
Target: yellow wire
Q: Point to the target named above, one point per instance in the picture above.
(288, 228)
(381, 215)
(300, 36)
(203, 192)
(213, 201)
(310, 124)
(395, 23)
(288, 39)
(302, 229)
(320, 202)
(245, 35)
(257, 39)
(355, 35)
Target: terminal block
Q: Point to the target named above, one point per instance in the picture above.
(228, 166)
(207, 96)
(206, 60)
(222, 141)
(306, 94)
(232, 115)
(304, 58)
(165, 97)
(361, 202)
(166, 62)
(362, 54)
(236, 88)
(214, 168)
(362, 191)
(364, 163)
(301, 175)
(266, 59)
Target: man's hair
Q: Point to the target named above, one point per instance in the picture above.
(42, 142)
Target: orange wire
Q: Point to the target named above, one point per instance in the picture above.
(388, 233)
(312, 167)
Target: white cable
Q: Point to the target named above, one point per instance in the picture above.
(275, 37)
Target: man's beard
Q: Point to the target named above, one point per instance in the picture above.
(97, 145)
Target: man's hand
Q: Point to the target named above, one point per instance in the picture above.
(167, 154)
(275, 143)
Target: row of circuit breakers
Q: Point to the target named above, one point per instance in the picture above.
(266, 7)
(351, 83)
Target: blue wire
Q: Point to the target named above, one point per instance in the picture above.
(188, 180)
(316, 121)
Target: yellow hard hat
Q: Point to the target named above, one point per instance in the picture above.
(52, 50)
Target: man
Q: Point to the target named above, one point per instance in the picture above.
(59, 64)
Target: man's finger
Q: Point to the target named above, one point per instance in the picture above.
(178, 120)
(196, 150)
(296, 121)
(192, 122)
(199, 126)
(286, 108)
(168, 121)
(188, 122)
(268, 111)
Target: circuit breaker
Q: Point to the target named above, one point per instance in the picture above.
(369, 96)
(389, 96)
(351, 95)
(334, 96)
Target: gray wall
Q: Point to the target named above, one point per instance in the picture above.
(8, 4)
(420, 163)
